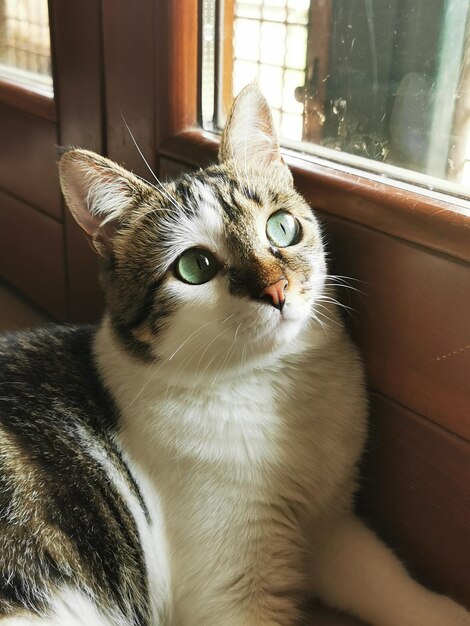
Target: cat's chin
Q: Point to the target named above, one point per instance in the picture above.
(292, 331)
(290, 321)
(279, 331)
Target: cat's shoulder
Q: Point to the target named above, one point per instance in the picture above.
(43, 338)
(42, 350)
(52, 370)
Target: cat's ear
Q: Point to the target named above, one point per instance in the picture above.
(98, 193)
(249, 137)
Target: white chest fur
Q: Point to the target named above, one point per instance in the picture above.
(217, 464)
(208, 459)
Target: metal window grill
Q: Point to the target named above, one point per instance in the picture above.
(24, 40)
(269, 47)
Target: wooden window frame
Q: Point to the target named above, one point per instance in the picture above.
(437, 223)
(28, 100)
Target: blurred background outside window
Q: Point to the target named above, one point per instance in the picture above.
(383, 85)
(25, 50)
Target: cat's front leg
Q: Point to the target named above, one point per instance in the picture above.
(351, 569)
(268, 592)
(257, 607)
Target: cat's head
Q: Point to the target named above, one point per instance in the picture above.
(216, 270)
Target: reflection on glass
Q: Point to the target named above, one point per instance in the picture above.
(25, 55)
(385, 81)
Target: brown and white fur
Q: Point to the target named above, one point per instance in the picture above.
(241, 425)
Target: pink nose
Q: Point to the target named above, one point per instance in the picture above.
(276, 293)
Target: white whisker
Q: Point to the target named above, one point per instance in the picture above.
(220, 368)
(162, 187)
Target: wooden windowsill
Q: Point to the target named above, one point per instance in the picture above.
(28, 100)
(409, 215)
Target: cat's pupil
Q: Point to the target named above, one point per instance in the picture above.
(282, 229)
(196, 266)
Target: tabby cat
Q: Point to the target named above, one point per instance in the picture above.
(192, 462)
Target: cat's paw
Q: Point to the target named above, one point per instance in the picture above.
(442, 611)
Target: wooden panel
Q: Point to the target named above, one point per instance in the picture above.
(129, 56)
(17, 313)
(412, 321)
(27, 159)
(177, 67)
(31, 254)
(417, 489)
(169, 170)
(77, 44)
(76, 38)
(85, 297)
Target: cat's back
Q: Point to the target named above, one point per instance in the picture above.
(65, 521)
(49, 374)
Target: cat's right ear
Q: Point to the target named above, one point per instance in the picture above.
(98, 193)
(249, 138)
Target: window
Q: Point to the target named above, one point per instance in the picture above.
(382, 86)
(25, 56)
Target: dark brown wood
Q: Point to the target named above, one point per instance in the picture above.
(78, 77)
(129, 64)
(411, 322)
(78, 74)
(436, 224)
(31, 254)
(169, 170)
(313, 95)
(85, 297)
(28, 100)
(177, 71)
(191, 147)
(417, 491)
(27, 159)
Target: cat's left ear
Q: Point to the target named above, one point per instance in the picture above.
(99, 194)
(249, 138)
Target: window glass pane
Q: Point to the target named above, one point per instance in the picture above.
(247, 40)
(25, 50)
(250, 8)
(384, 86)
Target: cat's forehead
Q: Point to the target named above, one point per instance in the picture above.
(239, 198)
(223, 206)
(191, 218)
(217, 209)
(218, 187)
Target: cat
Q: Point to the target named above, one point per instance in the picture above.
(192, 461)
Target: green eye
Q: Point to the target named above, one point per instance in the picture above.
(196, 266)
(282, 229)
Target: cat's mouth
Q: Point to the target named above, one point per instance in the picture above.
(273, 320)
